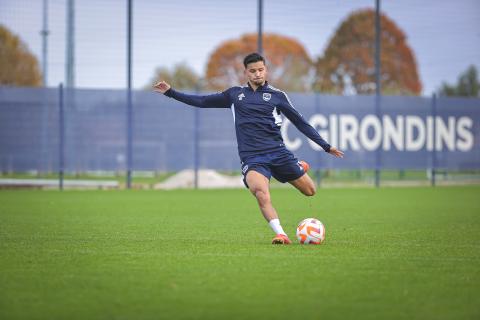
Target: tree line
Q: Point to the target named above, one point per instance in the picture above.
(347, 65)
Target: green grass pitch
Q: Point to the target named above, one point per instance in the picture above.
(390, 253)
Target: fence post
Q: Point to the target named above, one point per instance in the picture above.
(378, 151)
(196, 131)
(195, 148)
(129, 94)
(378, 91)
(61, 147)
(434, 152)
(44, 161)
(260, 24)
(318, 158)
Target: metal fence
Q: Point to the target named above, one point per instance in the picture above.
(91, 42)
(91, 135)
(86, 44)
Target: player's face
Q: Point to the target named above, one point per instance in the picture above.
(256, 73)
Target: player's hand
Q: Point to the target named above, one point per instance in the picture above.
(335, 152)
(161, 87)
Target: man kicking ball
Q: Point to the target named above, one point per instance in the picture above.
(257, 109)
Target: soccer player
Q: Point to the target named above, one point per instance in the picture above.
(257, 109)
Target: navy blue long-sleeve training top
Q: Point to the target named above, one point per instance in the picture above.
(257, 116)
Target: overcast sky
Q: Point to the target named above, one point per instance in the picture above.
(443, 34)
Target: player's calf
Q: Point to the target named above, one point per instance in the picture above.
(305, 185)
(309, 190)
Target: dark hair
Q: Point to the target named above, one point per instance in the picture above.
(252, 58)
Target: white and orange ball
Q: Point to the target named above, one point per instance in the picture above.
(311, 231)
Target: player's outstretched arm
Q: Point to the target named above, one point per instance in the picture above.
(216, 100)
(297, 119)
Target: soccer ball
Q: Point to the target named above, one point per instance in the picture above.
(310, 231)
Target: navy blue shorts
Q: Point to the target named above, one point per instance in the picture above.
(282, 165)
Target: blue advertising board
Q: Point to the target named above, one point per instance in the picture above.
(391, 133)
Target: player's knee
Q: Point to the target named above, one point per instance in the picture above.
(263, 196)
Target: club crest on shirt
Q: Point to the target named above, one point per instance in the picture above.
(267, 96)
(241, 96)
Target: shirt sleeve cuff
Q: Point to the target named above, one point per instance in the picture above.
(169, 92)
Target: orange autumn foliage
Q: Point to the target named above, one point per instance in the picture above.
(18, 66)
(348, 63)
(289, 66)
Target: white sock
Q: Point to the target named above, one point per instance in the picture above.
(276, 227)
